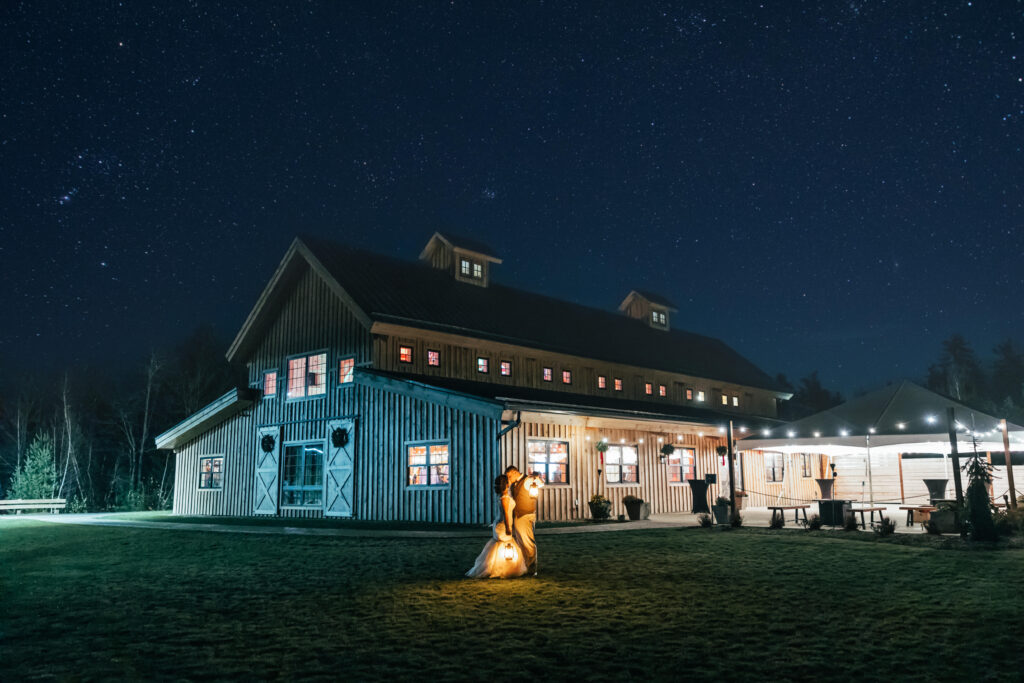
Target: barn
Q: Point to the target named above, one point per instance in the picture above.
(388, 389)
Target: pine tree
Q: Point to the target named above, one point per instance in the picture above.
(38, 476)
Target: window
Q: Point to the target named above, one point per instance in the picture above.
(471, 269)
(506, 368)
(307, 376)
(547, 374)
(618, 384)
(346, 368)
(647, 388)
(661, 390)
(465, 267)
(689, 394)
(602, 382)
(566, 376)
(735, 401)
(302, 479)
(211, 472)
(658, 318)
(805, 465)
(433, 357)
(551, 459)
(404, 354)
(700, 395)
(773, 467)
(478, 270)
(481, 365)
(725, 400)
(680, 465)
(270, 383)
(621, 465)
(428, 464)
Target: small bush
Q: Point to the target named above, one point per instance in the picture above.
(626, 500)
(705, 521)
(78, 504)
(600, 507)
(735, 519)
(850, 522)
(776, 522)
(886, 527)
(932, 528)
(722, 500)
(814, 523)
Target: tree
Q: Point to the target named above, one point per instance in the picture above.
(812, 397)
(957, 373)
(38, 475)
(1007, 373)
(978, 524)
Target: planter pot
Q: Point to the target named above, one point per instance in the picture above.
(936, 489)
(946, 521)
(833, 512)
(721, 513)
(635, 509)
(600, 511)
(826, 487)
(740, 495)
(699, 488)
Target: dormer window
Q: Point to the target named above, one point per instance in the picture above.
(466, 267)
(478, 270)
(648, 307)
(465, 257)
(506, 368)
(659, 318)
(433, 358)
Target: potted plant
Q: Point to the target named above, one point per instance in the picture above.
(634, 507)
(600, 507)
(721, 510)
(945, 520)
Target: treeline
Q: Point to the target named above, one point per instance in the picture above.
(87, 436)
(994, 385)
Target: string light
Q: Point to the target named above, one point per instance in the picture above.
(844, 432)
(721, 430)
(641, 440)
(901, 425)
(766, 432)
(743, 430)
(817, 435)
(700, 433)
(660, 439)
(791, 434)
(930, 419)
(871, 430)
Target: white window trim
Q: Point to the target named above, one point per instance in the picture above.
(327, 376)
(405, 465)
(568, 458)
(223, 472)
(323, 474)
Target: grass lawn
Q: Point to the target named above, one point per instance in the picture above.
(112, 602)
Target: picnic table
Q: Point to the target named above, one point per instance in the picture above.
(780, 510)
(873, 510)
(924, 510)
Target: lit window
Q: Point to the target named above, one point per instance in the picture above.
(478, 270)
(689, 394)
(648, 389)
(302, 477)
(661, 390)
(602, 382)
(211, 472)
(270, 383)
(428, 464)
(506, 368)
(481, 364)
(465, 267)
(621, 465)
(805, 465)
(735, 401)
(774, 468)
(404, 354)
(725, 400)
(346, 368)
(551, 459)
(566, 377)
(547, 374)
(307, 376)
(433, 358)
(680, 465)
(618, 384)
(700, 396)
(658, 318)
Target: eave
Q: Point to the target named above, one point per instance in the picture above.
(231, 403)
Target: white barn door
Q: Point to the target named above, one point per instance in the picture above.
(268, 468)
(338, 479)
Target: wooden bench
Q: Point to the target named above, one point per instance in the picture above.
(51, 504)
(854, 512)
(780, 510)
(924, 510)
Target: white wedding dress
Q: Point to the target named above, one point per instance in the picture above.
(494, 562)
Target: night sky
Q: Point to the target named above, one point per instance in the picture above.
(834, 187)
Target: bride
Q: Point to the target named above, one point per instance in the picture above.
(501, 557)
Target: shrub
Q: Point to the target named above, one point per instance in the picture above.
(705, 521)
(1008, 522)
(850, 522)
(722, 500)
(735, 519)
(886, 527)
(626, 500)
(600, 507)
(37, 477)
(978, 510)
(78, 504)
(776, 522)
(814, 523)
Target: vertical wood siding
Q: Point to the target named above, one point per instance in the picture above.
(794, 489)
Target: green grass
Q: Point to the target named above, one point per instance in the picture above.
(98, 602)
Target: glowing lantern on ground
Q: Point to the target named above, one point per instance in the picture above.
(509, 552)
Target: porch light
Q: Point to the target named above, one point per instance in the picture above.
(509, 552)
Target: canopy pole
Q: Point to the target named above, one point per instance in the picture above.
(955, 456)
(871, 482)
(1009, 463)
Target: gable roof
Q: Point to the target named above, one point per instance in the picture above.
(461, 242)
(656, 299)
(386, 289)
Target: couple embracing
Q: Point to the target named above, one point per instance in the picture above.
(512, 550)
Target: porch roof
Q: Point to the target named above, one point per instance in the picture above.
(231, 403)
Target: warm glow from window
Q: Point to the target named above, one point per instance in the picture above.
(346, 368)
(680, 465)
(618, 384)
(647, 388)
(566, 377)
(689, 394)
(725, 400)
(700, 395)
(506, 368)
(270, 383)
(433, 358)
(661, 390)
(735, 400)
(547, 374)
(307, 376)
(211, 472)
(404, 354)
(428, 464)
(602, 382)
(482, 364)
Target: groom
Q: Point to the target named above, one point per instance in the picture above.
(524, 516)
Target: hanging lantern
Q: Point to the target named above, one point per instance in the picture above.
(535, 487)
(509, 552)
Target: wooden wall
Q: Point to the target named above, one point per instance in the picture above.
(794, 489)
(459, 355)
(566, 502)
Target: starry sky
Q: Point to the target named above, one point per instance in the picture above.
(829, 186)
